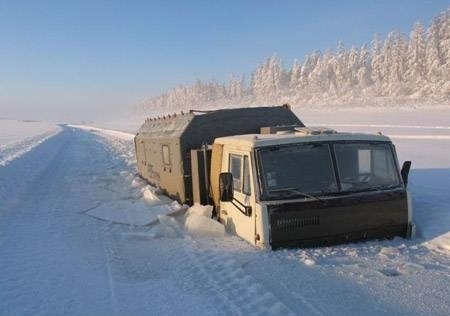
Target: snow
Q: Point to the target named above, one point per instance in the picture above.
(440, 243)
(114, 133)
(139, 256)
(132, 212)
(19, 137)
(198, 222)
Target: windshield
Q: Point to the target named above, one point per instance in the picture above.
(309, 171)
(297, 170)
(365, 166)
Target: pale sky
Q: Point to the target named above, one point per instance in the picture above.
(82, 60)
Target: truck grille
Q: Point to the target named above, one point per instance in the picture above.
(341, 219)
(290, 224)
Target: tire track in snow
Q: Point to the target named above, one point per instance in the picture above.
(237, 289)
(55, 260)
(108, 250)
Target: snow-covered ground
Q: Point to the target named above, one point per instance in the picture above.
(80, 233)
(19, 137)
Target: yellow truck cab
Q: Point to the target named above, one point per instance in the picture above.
(308, 187)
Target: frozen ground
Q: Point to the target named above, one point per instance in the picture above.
(81, 234)
(19, 137)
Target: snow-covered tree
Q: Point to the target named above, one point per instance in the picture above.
(320, 77)
(295, 73)
(377, 64)
(433, 51)
(236, 88)
(415, 72)
(353, 67)
(341, 67)
(396, 67)
(365, 68)
(307, 68)
(445, 51)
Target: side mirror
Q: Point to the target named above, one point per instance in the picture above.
(405, 172)
(226, 186)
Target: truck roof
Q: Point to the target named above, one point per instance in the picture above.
(261, 140)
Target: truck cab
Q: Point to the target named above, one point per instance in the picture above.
(309, 187)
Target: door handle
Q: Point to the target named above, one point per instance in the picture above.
(246, 210)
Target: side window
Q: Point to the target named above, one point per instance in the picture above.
(240, 169)
(166, 154)
(235, 167)
(246, 189)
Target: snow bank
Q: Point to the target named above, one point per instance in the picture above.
(168, 227)
(109, 132)
(149, 194)
(15, 131)
(19, 137)
(140, 205)
(124, 124)
(198, 222)
(152, 207)
(440, 244)
(200, 210)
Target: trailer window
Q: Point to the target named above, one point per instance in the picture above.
(235, 167)
(166, 154)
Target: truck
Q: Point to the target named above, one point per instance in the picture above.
(275, 182)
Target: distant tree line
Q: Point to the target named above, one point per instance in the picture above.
(398, 68)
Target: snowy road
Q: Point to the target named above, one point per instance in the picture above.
(56, 260)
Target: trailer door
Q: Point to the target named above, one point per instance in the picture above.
(238, 215)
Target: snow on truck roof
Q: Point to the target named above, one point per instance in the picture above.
(261, 140)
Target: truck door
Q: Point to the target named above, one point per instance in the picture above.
(239, 214)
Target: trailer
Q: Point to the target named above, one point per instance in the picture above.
(170, 148)
(273, 181)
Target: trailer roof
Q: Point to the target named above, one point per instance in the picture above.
(197, 127)
(261, 140)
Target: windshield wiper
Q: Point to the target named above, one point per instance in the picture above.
(386, 187)
(374, 188)
(296, 191)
